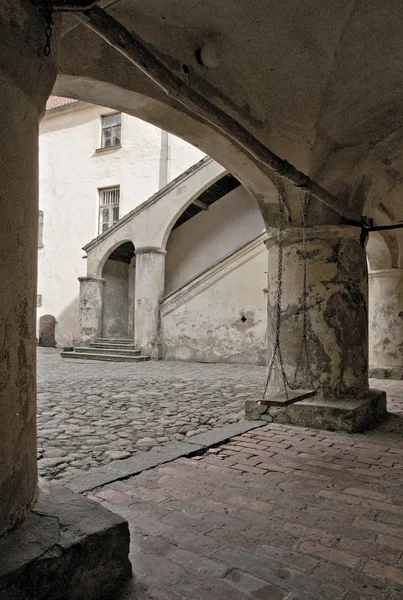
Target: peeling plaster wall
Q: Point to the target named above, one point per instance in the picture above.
(208, 328)
(230, 222)
(207, 324)
(116, 299)
(71, 171)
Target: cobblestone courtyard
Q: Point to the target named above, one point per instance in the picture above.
(278, 513)
(90, 413)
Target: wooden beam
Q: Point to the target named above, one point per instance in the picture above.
(65, 5)
(141, 55)
(200, 204)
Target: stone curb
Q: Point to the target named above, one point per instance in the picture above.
(159, 455)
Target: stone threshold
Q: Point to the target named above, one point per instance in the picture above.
(158, 455)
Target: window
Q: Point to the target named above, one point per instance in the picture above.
(108, 208)
(40, 229)
(111, 130)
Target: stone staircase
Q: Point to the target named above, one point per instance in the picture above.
(107, 349)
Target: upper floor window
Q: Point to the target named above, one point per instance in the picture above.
(111, 130)
(40, 229)
(109, 199)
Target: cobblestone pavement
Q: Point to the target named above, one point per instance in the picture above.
(279, 513)
(90, 413)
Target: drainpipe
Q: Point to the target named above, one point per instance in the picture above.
(165, 159)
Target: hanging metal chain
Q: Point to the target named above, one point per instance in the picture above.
(48, 12)
(279, 296)
(304, 351)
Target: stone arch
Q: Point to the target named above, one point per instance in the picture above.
(198, 237)
(257, 179)
(100, 262)
(188, 202)
(118, 274)
(380, 251)
(207, 314)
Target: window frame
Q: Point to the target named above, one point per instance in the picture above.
(110, 206)
(102, 146)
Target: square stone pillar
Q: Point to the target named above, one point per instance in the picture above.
(337, 329)
(149, 289)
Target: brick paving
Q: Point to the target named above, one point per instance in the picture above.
(278, 513)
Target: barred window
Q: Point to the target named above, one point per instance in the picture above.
(109, 199)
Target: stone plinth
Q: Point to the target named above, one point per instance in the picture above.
(386, 324)
(349, 415)
(67, 548)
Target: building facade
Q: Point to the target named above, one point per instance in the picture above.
(142, 197)
(92, 173)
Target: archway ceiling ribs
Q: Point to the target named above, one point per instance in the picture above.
(336, 88)
(123, 253)
(217, 190)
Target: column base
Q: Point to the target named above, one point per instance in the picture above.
(386, 372)
(68, 547)
(351, 416)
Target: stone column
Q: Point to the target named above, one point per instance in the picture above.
(149, 289)
(90, 308)
(26, 80)
(337, 329)
(131, 297)
(386, 323)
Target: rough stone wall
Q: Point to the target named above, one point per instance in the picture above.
(225, 322)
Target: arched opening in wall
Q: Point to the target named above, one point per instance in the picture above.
(214, 306)
(118, 305)
(379, 252)
(47, 327)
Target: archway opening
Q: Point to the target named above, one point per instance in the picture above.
(118, 306)
(214, 307)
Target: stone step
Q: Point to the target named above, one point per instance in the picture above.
(111, 349)
(112, 346)
(114, 340)
(106, 357)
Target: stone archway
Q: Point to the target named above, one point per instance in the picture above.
(214, 304)
(118, 274)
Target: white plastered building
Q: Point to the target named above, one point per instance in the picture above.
(173, 244)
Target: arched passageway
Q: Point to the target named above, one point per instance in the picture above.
(118, 274)
(214, 306)
(385, 314)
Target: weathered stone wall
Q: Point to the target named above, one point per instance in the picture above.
(222, 316)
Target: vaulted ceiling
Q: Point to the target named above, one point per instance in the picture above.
(319, 83)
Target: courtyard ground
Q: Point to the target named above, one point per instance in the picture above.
(91, 413)
(278, 513)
